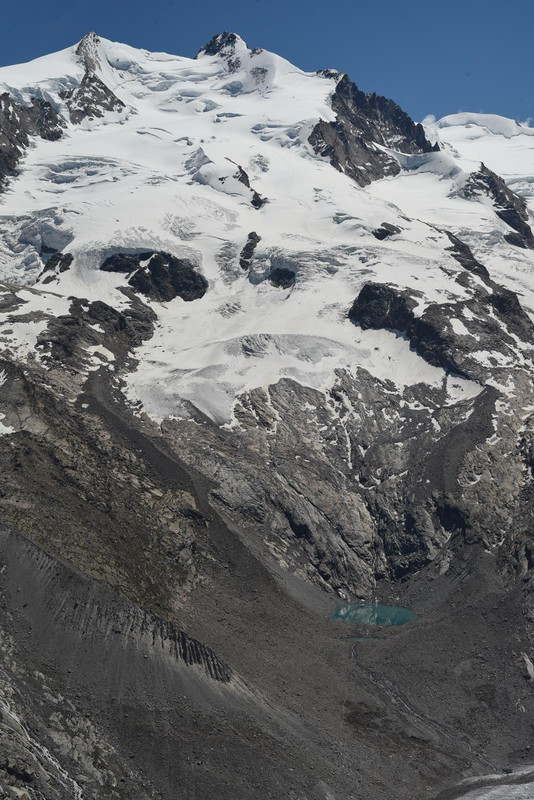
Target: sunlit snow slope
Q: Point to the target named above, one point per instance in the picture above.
(162, 173)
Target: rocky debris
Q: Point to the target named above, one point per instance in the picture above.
(92, 99)
(385, 230)
(364, 483)
(18, 124)
(526, 666)
(362, 122)
(19, 770)
(159, 276)
(509, 207)
(282, 277)
(245, 257)
(464, 255)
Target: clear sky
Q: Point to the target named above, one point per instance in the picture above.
(431, 57)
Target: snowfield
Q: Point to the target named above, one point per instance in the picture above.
(160, 175)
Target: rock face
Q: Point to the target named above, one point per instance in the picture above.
(18, 124)
(92, 99)
(509, 207)
(282, 278)
(433, 335)
(159, 276)
(56, 264)
(362, 122)
(464, 255)
(386, 230)
(220, 43)
(247, 252)
(380, 306)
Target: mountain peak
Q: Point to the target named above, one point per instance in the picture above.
(224, 43)
(88, 51)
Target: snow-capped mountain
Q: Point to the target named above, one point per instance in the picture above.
(260, 332)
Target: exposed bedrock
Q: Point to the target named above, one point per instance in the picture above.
(247, 253)
(364, 121)
(70, 338)
(159, 276)
(56, 264)
(449, 335)
(92, 99)
(256, 200)
(385, 231)
(382, 306)
(129, 533)
(282, 277)
(224, 45)
(509, 207)
(464, 255)
(18, 124)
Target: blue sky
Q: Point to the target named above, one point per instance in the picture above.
(432, 58)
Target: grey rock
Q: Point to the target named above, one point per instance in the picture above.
(509, 207)
(18, 124)
(386, 230)
(247, 253)
(526, 666)
(163, 278)
(92, 99)
(362, 122)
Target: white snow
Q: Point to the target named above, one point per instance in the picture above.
(162, 177)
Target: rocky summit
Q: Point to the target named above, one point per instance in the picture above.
(266, 435)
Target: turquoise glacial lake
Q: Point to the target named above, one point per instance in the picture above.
(370, 614)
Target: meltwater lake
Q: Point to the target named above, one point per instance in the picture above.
(371, 614)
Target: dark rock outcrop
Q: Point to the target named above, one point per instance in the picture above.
(507, 307)
(219, 43)
(67, 336)
(124, 262)
(240, 175)
(364, 121)
(18, 124)
(57, 263)
(282, 278)
(381, 306)
(386, 230)
(224, 46)
(247, 252)
(432, 334)
(464, 255)
(509, 207)
(162, 278)
(92, 99)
